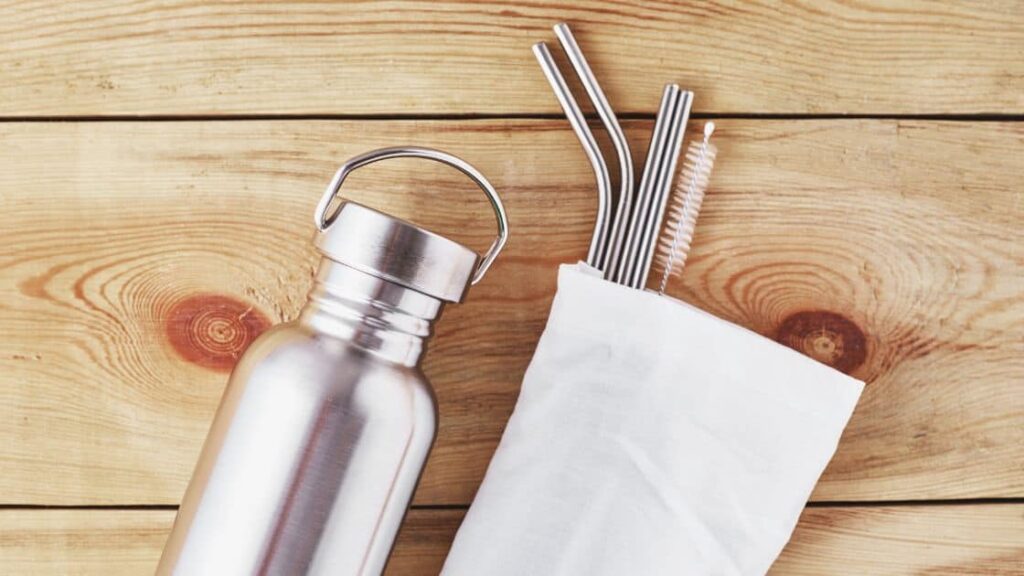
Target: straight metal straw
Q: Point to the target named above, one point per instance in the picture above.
(662, 186)
(609, 261)
(590, 146)
(630, 256)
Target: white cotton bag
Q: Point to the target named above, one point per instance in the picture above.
(651, 438)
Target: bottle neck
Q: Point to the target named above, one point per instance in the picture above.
(384, 319)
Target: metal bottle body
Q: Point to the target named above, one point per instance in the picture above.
(319, 441)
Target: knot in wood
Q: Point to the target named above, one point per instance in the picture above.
(827, 337)
(213, 330)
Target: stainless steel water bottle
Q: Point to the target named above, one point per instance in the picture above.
(326, 422)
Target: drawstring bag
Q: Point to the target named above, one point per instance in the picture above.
(651, 438)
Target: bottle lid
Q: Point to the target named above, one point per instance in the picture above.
(398, 251)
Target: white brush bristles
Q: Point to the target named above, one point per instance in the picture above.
(683, 207)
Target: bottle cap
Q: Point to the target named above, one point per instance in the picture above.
(399, 252)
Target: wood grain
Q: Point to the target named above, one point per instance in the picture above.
(174, 57)
(903, 236)
(882, 541)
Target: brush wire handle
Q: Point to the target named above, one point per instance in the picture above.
(687, 197)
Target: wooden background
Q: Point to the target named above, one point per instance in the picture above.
(159, 162)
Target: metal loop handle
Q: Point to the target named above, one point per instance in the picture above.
(323, 220)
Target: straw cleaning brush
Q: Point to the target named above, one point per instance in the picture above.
(684, 206)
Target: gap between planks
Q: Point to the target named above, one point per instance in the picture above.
(463, 507)
(504, 116)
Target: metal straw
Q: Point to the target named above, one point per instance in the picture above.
(660, 191)
(608, 262)
(641, 211)
(586, 137)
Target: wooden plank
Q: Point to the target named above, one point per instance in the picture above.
(82, 542)
(884, 541)
(890, 249)
(129, 542)
(175, 57)
(891, 541)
